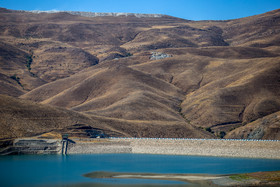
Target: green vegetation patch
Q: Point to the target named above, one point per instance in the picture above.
(240, 177)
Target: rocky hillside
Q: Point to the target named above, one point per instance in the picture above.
(142, 76)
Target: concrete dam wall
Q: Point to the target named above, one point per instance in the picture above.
(199, 147)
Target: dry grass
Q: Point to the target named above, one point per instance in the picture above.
(51, 135)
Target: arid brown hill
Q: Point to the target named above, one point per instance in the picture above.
(144, 76)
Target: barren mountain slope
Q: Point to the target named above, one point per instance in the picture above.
(263, 128)
(117, 92)
(21, 118)
(148, 76)
(255, 31)
(60, 44)
(221, 93)
(16, 77)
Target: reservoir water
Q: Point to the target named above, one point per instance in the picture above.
(58, 170)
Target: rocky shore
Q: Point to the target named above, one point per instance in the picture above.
(224, 148)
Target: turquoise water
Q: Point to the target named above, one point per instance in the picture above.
(48, 170)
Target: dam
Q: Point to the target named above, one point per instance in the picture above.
(269, 149)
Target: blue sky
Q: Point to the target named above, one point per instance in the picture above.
(187, 9)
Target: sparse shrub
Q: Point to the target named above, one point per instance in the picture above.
(16, 78)
(128, 54)
(33, 74)
(222, 134)
(208, 129)
(29, 62)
